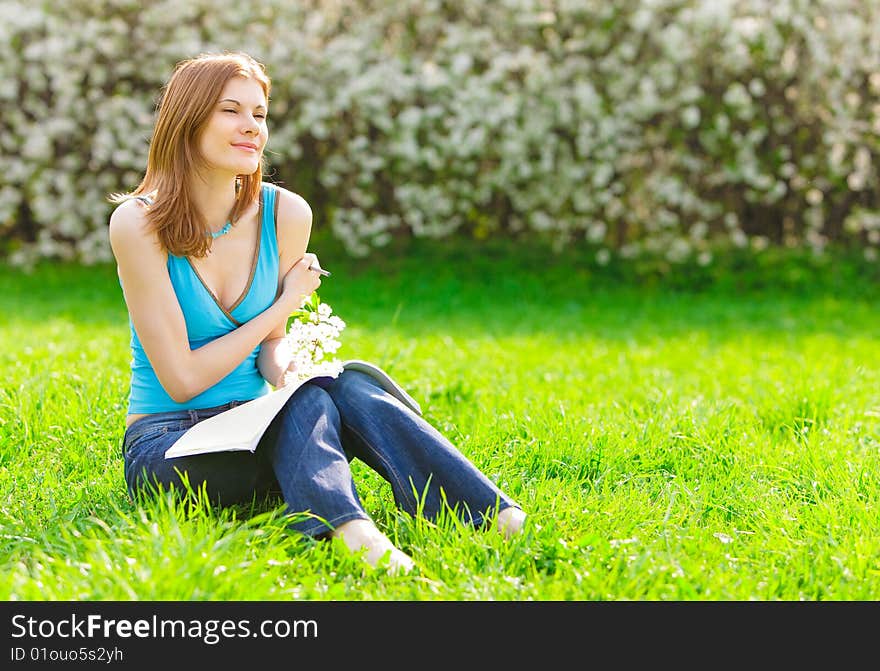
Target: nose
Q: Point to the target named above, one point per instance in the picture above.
(251, 126)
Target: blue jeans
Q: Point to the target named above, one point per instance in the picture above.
(305, 453)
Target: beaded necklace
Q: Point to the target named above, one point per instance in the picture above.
(228, 225)
(223, 231)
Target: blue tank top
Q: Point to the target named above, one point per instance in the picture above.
(207, 320)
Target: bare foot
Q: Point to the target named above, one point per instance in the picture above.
(510, 521)
(363, 534)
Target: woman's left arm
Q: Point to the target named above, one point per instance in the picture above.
(274, 359)
(294, 226)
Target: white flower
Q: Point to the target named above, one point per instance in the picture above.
(313, 334)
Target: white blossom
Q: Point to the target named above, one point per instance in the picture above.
(313, 333)
(583, 130)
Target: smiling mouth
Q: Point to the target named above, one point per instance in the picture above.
(245, 147)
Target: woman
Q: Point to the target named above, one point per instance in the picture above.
(212, 261)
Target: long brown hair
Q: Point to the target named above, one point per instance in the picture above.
(185, 107)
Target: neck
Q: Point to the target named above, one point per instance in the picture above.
(214, 197)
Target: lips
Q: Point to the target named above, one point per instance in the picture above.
(247, 146)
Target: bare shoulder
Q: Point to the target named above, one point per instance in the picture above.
(294, 223)
(129, 230)
(293, 210)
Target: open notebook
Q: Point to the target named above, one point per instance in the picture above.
(241, 427)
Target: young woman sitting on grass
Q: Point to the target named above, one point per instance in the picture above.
(212, 261)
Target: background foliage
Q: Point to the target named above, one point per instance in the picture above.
(662, 127)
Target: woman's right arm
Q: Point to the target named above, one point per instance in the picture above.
(159, 321)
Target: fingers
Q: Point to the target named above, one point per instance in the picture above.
(316, 265)
(313, 266)
(308, 261)
(305, 274)
(310, 264)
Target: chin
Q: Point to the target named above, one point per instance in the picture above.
(242, 170)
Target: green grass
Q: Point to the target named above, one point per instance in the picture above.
(715, 442)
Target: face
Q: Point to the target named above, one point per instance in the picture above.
(236, 133)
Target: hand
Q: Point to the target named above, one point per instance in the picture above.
(300, 282)
(281, 378)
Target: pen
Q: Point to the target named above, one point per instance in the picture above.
(320, 271)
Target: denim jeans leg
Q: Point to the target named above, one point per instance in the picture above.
(227, 477)
(304, 447)
(424, 469)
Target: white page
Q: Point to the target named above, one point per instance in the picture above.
(241, 427)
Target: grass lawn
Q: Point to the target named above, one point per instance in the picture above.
(714, 442)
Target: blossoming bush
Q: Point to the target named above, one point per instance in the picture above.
(661, 127)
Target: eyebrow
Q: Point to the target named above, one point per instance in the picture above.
(233, 100)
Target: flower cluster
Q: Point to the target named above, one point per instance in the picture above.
(312, 334)
(669, 127)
